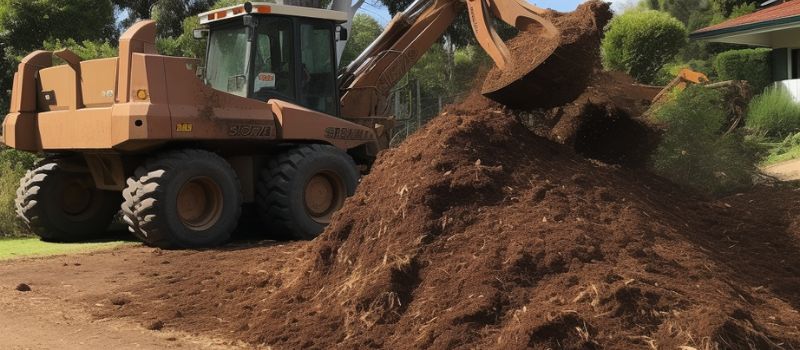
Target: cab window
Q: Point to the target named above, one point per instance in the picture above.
(317, 81)
(273, 67)
(227, 59)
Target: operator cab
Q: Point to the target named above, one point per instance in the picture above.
(269, 51)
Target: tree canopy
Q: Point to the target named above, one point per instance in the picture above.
(460, 32)
(365, 30)
(25, 25)
(168, 13)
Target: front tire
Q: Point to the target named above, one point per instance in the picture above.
(301, 189)
(184, 199)
(62, 206)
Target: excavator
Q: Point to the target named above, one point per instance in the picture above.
(268, 122)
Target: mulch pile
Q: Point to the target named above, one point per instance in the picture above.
(477, 233)
(606, 121)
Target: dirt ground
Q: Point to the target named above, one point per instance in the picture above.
(740, 279)
(785, 171)
(59, 312)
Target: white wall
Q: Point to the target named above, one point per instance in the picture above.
(793, 86)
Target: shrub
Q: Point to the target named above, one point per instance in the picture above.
(694, 152)
(641, 42)
(13, 165)
(184, 45)
(86, 50)
(752, 65)
(774, 113)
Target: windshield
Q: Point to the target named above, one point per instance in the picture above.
(227, 61)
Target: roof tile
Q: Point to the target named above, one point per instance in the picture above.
(785, 10)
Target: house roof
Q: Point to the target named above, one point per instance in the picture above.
(778, 15)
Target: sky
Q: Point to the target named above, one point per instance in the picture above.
(382, 15)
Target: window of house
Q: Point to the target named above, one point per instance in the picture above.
(796, 64)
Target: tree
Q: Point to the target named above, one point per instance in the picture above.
(726, 7)
(26, 24)
(641, 42)
(683, 9)
(86, 50)
(168, 13)
(364, 31)
(460, 32)
(184, 45)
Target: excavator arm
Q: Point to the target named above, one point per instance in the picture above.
(367, 82)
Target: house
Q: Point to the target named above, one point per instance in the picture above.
(777, 26)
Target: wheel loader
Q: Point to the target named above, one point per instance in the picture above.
(268, 122)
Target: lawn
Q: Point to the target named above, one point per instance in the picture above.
(781, 153)
(13, 248)
(780, 150)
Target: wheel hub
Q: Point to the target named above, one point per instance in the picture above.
(200, 203)
(76, 197)
(324, 194)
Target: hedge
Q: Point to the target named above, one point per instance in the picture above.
(752, 65)
(641, 42)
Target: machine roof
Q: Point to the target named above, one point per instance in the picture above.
(264, 8)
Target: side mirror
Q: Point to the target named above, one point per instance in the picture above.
(200, 34)
(343, 34)
(201, 72)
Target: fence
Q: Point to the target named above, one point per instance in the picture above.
(412, 109)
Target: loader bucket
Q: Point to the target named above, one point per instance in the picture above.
(551, 61)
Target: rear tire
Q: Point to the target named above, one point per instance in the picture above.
(129, 204)
(183, 199)
(301, 189)
(61, 206)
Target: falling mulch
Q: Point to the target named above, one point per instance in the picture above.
(546, 71)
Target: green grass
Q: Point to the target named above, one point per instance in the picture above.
(14, 248)
(784, 155)
(778, 151)
(774, 113)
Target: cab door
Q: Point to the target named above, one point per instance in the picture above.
(317, 67)
(274, 64)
